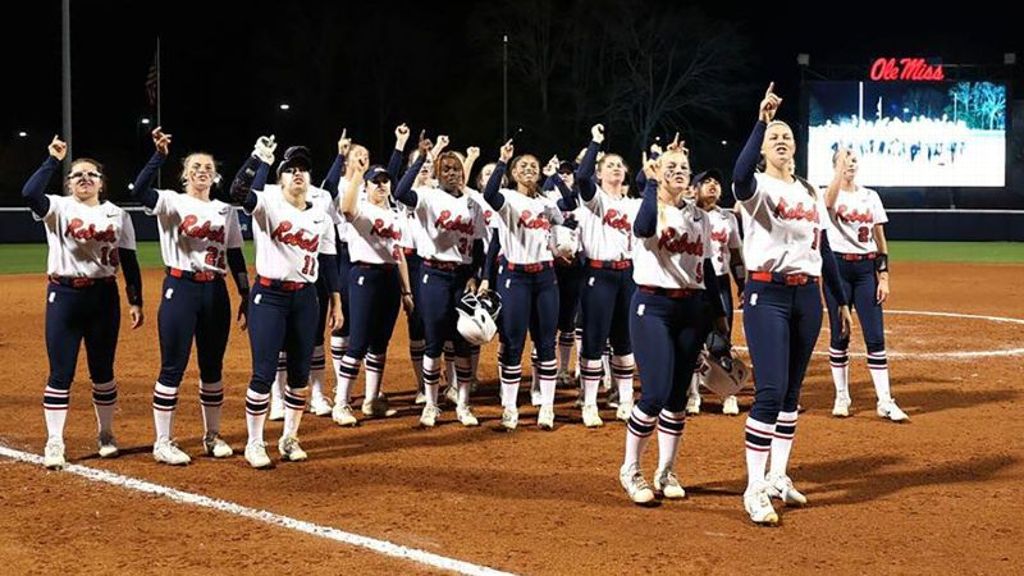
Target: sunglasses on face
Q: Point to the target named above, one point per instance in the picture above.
(381, 180)
(293, 170)
(90, 174)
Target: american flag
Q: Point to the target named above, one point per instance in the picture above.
(151, 82)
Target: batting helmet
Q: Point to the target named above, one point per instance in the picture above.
(718, 371)
(478, 316)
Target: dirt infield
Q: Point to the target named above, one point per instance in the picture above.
(941, 494)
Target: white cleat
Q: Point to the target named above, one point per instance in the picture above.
(428, 419)
(451, 393)
(107, 445)
(215, 446)
(781, 487)
(509, 419)
(666, 485)
(623, 411)
(378, 407)
(759, 507)
(636, 486)
(256, 455)
(53, 454)
(841, 407)
(320, 406)
(891, 411)
(290, 449)
(166, 451)
(421, 398)
(536, 399)
(546, 418)
(591, 416)
(613, 399)
(693, 405)
(730, 406)
(343, 415)
(276, 410)
(466, 417)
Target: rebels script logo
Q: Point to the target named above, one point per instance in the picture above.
(204, 232)
(445, 222)
(850, 216)
(297, 239)
(671, 241)
(534, 222)
(785, 212)
(76, 229)
(720, 235)
(387, 232)
(617, 221)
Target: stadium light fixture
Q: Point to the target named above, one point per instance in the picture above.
(285, 107)
(1010, 58)
(22, 134)
(803, 59)
(144, 121)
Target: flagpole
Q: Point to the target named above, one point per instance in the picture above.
(66, 78)
(159, 174)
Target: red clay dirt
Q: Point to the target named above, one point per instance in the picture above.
(941, 494)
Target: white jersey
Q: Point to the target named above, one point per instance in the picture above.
(490, 222)
(288, 240)
(525, 227)
(607, 226)
(195, 235)
(673, 258)
(725, 236)
(560, 233)
(853, 218)
(376, 234)
(782, 225)
(322, 199)
(451, 225)
(341, 225)
(83, 240)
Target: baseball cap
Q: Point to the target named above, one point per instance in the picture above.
(376, 172)
(710, 173)
(295, 157)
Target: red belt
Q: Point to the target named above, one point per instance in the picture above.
(379, 266)
(409, 251)
(529, 268)
(610, 264)
(284, 285)
(787, 279)
(858, 257)
(194, 276)
(79, 281)
(439, 265)
(675, 293)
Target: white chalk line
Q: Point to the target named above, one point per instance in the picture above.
(963, 355)
(379, 546)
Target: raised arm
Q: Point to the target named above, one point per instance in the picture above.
(492, 192)
(585, 172)
(743, 180)
(333, 176)
(350, 201)
(143, 190)
(34, 190)
(398, 154)
(646, 222)
(841, 166)
(252, 176)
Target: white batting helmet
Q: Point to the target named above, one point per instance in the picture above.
(564, 242)
(724, 378)
(478, 316)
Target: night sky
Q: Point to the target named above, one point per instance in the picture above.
(226, 67)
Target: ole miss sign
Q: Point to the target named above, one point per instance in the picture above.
(905, 69)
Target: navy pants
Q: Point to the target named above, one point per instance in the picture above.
(92, 314)
(439, 291)
(781, 325)
(281, 320)
(344, 264)
(374, 290)
(860, 285)
(725, 290)
(199, 310)
(668, 333)
(569, 277)
(529, 303)
(415, 319)
(606, 304)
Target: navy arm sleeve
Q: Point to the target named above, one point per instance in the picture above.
(646, 221)
(34, 191)
(236, 262)
(743, 180)
(404, 192)
(333, 177)
(329, 268)
(585, 173)
(830, 271)
(712, 290)
(479, 259)
(395, 165)
(491, 193)
(242, 185)
(132, 275)
(490, 271)
(143, 190)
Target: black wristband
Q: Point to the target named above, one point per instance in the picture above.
(882, 263)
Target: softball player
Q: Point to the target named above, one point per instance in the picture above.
(608, 286)
(857, 216)
(454, 225)
(88, 237)
(378, 281)
(199, 239)
(726, 258)
(668, 314)
(528, 288)
(289, 232)
(786, 251)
